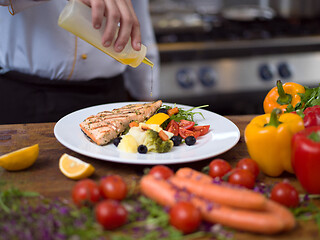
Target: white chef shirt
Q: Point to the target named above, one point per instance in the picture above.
(31, 42)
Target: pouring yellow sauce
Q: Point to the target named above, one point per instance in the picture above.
(148, 62)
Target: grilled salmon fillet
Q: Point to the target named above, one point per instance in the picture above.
(107, 125)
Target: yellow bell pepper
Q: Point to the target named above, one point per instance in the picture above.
(268, 139)
(282, 95)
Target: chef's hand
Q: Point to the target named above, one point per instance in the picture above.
(116, 11)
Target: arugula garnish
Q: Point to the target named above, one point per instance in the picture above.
(310, 98)
(183, 114)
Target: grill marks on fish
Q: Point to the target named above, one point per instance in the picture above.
(107, 125)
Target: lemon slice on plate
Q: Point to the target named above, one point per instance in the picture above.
(20, 159)
(74, 168)
(158, 118)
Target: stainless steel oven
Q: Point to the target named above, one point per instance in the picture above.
(208, 57)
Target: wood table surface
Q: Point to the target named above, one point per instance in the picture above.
(45, 177)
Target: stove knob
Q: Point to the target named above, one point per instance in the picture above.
(284, 70)
(186, 78)
(265, 72)
(207, 76)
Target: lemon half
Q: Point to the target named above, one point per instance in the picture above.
(74, 168)
(20, 159)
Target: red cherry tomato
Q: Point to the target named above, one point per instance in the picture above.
(219, 168)
(110, 214)
(173, 127)
(184, 133)
(185, 217)
(285, 194)
(113, 187)
(186, 124)
(85, 192)
(249, 164)
(242, 177)
(202, 129)
(161, 172)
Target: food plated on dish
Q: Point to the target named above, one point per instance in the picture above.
(107, 125)
(144, 127)
(222, 135)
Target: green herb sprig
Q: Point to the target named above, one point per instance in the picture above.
(310, 98)
(307, 210)
(28, 215)
(9, 198)
(183, 114)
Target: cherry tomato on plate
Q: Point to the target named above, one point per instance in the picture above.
(184, 133)
(161, 172)
(219, 168)
(85, 192)
(110, 214)
(113, 187)
(202, 129)
(242, 177)
(185, 217)
(286, 194)
(249, 164)
(173, 127)
(186, 124)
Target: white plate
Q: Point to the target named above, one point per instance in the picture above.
(222, 136)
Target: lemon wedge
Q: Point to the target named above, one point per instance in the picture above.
(74, 168)
(158, 118)
(20, 159)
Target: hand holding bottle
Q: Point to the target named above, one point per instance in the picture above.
(116, 11)
(76, 17)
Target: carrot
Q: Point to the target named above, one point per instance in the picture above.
(149, 187)
(163, 135)
(172, 111)
(269, 205)
(145, 128)
(282, 213)
(133, 124)
(193, 174)
(268, 221)
(245, 220)
(223, 193)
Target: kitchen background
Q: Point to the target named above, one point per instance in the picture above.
(229, 54)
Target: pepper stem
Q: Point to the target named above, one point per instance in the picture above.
(274, 119)
(315, 136)
(284, 98)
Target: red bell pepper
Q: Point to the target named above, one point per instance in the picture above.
(306, 158)
(311, 116)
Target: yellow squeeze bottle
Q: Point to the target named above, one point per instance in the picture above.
(76, 18)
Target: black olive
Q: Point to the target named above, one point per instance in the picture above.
(176, 140)
(190, 140)
(163, 110)
(142, 149)
(116, 141)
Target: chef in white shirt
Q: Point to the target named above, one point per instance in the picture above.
(47, 72)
